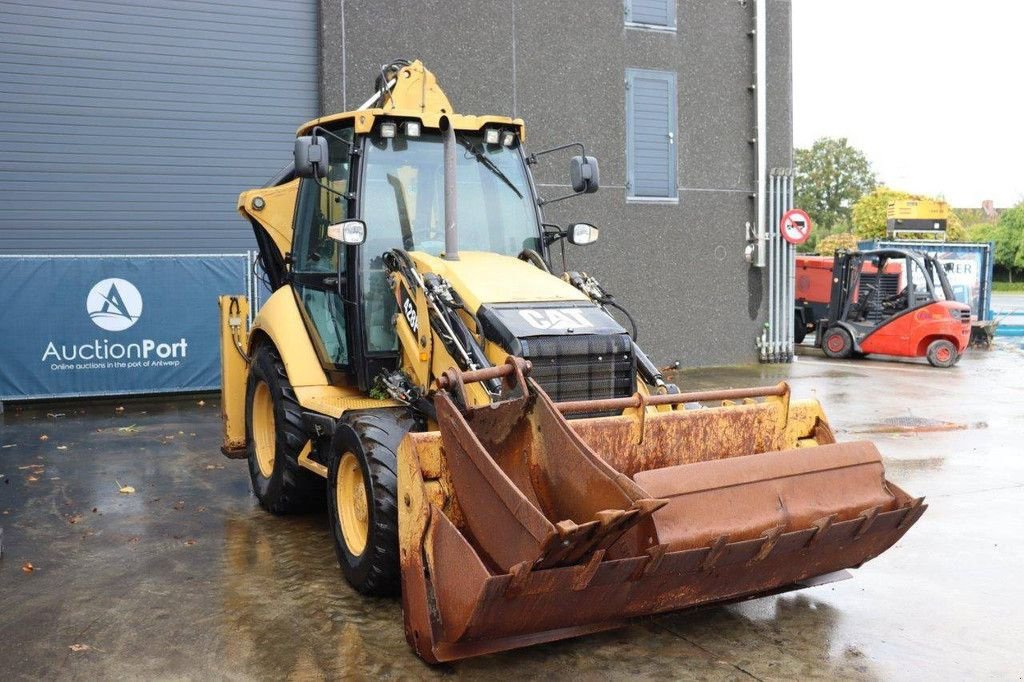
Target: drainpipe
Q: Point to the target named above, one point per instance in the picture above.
(451, 232)
(761, 98)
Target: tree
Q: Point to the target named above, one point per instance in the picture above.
(841, 240)
(1008, 236)
(830, 177)
(869, 214)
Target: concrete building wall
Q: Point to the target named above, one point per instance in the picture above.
(678, 266)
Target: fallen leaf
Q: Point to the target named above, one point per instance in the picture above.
(27, 567)
(131, 428)
(190, 541)
(133, 540)
(74, 518)
(44, 437)
(32, 479)
(79, 647)
(200, 509)
(124, 489)
(180, 504)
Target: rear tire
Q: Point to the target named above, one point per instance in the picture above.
(837, 343)
(362, 498)
(942, 353)
(275, 436)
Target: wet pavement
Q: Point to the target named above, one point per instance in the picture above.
(186, 578)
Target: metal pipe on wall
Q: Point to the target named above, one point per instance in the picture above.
(791, 300)
(776, 266)
(784, 281)
(761, 106)
(769, 244)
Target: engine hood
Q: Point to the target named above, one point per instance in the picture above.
(483, 278)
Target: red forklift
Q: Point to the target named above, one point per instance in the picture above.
(911, 315)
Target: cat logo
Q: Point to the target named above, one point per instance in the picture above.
(409, 310)
(555, 318)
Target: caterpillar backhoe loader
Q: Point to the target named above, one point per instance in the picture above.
(489, 439)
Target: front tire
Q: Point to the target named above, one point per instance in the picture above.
(942, 353)
(837, 343)
(275, 436)
(362, 494)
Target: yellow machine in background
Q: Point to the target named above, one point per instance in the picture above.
(488, 438)
(919, 216)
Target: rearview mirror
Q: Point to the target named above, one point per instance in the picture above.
(584, 174)
(310, 156)
(582, 233)
(351, 232)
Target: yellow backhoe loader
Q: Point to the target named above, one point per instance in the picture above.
(489, 439)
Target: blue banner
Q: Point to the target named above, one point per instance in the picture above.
(113, 325)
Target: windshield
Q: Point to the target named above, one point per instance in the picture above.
(403, 196)
(402, 204)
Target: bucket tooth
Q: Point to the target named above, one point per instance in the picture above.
(869, 518)
(821, 529)
(771, 538)
(586, 572)
(650, 565)
(714, 553)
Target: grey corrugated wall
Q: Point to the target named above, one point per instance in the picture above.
(130, 127)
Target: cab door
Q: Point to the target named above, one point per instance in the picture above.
(319, 265)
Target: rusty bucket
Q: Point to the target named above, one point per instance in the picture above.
(519, 526)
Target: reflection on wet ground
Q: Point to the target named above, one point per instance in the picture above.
(187, 578)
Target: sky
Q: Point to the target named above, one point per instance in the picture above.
(932, 91)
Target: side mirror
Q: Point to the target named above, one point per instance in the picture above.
(310, 156)
(351, 232)
(582, 233)
(584, 174)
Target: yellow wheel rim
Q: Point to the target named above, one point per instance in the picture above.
(263, 431)
(350, 500)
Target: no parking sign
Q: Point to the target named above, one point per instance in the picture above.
(795, 226)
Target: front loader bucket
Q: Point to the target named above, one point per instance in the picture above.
(518, 526)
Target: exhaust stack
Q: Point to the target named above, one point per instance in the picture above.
(451, 231)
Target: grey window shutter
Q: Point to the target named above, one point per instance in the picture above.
(650, 133)
(131, 126)
(651, 12)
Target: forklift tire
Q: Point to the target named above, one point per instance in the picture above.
(362, 494)
(275, 436)
(837, 343)
(942, 353)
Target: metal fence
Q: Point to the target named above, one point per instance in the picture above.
(776, 341)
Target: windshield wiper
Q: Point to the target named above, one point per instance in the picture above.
(491, 166)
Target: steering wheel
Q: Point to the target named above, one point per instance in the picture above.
(531, 256)
(897, 300)
(865, 292)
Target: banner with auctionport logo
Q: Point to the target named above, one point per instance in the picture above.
(111, 325)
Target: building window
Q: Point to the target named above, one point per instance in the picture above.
(653, 14)
(650, 135)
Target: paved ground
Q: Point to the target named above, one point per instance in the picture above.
(188, 579)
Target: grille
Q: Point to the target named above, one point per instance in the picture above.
(888, 285)
(965, 316)
(582, 367)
